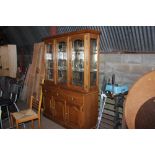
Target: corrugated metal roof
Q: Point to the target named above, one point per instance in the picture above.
(121, 38)
(112, 38)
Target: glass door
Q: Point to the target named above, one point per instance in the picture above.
(78, 62)
(49, 62)
(93, 62)
(62, 62)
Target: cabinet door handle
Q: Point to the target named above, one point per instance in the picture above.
(50, 105)
(82, 109)
(6, 68)
(57, 94)
(72, 98)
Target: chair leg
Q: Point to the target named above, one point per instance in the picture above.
(24, 125)
(12, 123)
(38, 122)
(16, 107)
(8, 115)
(17, 125)
(1, 117)
(32, 124)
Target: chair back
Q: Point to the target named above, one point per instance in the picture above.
(35, 102)
(7, 87)
(14, 92)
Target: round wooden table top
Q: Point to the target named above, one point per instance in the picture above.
(140, 103)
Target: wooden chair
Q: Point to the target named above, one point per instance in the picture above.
(31, 114)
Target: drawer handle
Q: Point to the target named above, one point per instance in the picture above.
(82, 109)
(72, 98)
(57, 94)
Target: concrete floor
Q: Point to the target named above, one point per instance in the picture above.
(45, 122)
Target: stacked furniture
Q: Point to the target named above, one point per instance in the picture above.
(9, 92)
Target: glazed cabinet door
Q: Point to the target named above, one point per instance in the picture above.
(61, 48)
(93, 62)
(77, 62)
(49, 61)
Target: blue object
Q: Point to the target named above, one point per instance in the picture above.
(117, 89)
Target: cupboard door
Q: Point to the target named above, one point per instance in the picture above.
(47, 104)
(5, 61)
(73, 115)
(59, 109)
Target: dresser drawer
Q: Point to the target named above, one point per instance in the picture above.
(77, 101)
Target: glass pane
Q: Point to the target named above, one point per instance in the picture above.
(78, 62)
(93, 62)
(49, 62)
(62, 62)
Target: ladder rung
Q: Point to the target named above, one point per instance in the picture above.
(105, 117)
(104, 122)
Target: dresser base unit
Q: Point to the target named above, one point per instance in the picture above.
(69, 108)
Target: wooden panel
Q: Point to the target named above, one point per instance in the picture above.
(38, 69)
(91, 110)
(12, 60)
(8, 61)
(87, 62)
(5, 61)
(25, 87)
(36, 74)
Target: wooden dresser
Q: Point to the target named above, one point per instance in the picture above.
(70, 91)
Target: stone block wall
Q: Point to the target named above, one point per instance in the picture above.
(127, 67)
